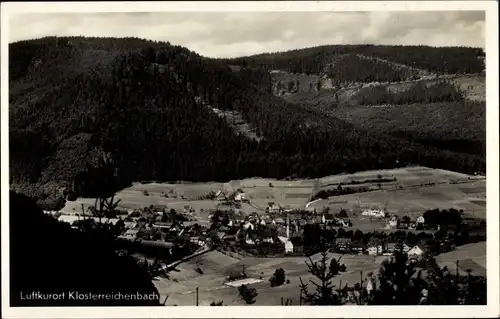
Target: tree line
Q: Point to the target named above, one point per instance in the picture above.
(314, 60)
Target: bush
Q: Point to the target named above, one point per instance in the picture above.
(278, 278)
(248, 294)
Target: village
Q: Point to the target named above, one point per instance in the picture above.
(279, 232)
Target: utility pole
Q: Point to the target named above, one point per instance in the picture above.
(197, 292)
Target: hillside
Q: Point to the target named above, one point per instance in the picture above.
(432, 96)
(315, 60)
(143, 104)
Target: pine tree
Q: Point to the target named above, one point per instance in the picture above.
(325, 293)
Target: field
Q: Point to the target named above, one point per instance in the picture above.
(404, 196)
(415, 190)
(216, 266)
(471, 256)
(412, 201)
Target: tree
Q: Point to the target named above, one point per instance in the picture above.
(278, 277)
(247, 294)
(358, 235)
(398, 284)
(325, 293)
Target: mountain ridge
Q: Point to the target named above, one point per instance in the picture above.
(73, 98)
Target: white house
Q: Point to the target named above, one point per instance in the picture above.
(248, 225)
(374, 213)
(288, 247)
(239, 197)
(372, 251)
(68, 218)
(416, 251)
(130, 233)
(420, 220)
(393, 222)
(344, 223)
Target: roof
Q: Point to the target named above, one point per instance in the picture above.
(131, 231)
(357, 244)
(343, 240)
(421, 246)
(279, 220)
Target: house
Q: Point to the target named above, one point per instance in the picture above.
(130, 234)
(159, 209)
(343, 244)
(272, 207)
(401, 247)
(248, 225)
(372, 250)
(68, 218)
(344, 223)
(393, 222)
(163, 225)
(221, 195)
(391, 247)
(420, 220)
(374, 213)
(402, 226)
(358, 247)
(239, 197)
(279, 221)
(417, 251)
(198, 241)
(329, 218)
(267, 240)
(375, 247)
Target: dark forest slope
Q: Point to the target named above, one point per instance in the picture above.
(50, 257)
(72, 99)
(315, 60)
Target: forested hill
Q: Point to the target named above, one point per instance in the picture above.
(316, 60)
(137, 101)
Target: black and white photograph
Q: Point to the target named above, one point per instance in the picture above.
(206, 156)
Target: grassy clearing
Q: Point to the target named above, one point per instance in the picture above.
(409, 201)
(471, 256)
(216, 264)
(404, 196)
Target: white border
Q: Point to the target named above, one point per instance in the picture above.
(493, 253)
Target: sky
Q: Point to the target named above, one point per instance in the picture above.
(232, 34)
